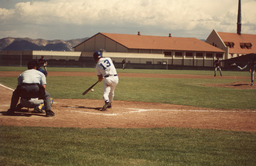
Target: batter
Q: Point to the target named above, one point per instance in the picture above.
(106, 70)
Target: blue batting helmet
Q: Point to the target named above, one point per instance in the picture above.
(97, 55)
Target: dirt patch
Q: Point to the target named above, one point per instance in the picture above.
(235, 85)
(84, 113)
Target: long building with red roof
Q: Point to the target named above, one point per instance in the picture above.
(172, 50)
(112, 42)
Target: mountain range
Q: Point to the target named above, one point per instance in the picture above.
(21, 44)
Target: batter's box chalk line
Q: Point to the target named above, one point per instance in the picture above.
(92, 113)
(140, 110)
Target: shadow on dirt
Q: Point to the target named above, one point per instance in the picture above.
(83, 107)
(25, 113)
(241, 85)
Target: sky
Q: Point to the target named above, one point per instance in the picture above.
(73, 19)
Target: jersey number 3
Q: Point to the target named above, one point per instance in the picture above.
(105, 65)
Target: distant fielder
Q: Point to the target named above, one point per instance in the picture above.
(217, 66)
(106, 70)
(124, 63)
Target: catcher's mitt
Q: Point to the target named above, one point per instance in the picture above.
(45, 64)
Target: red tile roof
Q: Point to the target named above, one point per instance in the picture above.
(161, 43)
(237, 39)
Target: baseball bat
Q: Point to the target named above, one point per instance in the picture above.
(87, 90)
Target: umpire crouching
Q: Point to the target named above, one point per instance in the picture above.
(31, 84)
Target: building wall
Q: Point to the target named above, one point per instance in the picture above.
(15, 58)
(98, 42)
(215, 40)
(57, 55)
(198, 59)
(134, 60)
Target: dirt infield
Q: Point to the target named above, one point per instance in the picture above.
(85, 113)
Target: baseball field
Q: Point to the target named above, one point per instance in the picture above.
(159, 117)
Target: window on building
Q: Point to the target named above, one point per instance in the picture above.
(230, 44)
(209, 55)
(168, 54)
(246, 45)
(189, 55)
(178, 54)
(199, 55)
(220, 56)
(215, 45)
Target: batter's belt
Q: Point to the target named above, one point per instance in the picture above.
(109, 75)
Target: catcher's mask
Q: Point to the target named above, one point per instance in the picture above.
(97, 55)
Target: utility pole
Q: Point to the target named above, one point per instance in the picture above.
(239, 18)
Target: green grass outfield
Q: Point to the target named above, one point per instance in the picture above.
(159, 146)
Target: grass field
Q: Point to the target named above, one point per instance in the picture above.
(163, 146)
(159, 146)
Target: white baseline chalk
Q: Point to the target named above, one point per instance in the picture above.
(6, 87)
(183, 110)
(138, 110)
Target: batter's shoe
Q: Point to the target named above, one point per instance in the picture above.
(109, 105)
(49, 113)
(104, 108)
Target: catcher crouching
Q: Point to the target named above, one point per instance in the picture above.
(31, 84)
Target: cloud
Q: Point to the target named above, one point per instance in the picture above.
(151, 16)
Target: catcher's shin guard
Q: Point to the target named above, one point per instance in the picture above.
(41, 107)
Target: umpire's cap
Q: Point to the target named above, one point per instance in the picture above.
(32, 64)
(97, 55)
